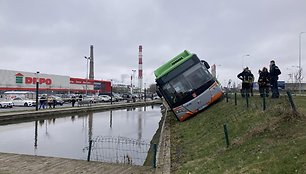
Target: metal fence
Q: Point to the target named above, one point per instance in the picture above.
(119, 150)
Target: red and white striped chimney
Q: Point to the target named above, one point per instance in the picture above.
(140, 68)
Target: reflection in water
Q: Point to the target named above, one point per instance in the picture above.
(67, 136)
(41, 122)
(35, 135)
(90, 125)
(130, 109)
(139, 123)
(46, 132)
(111, 119)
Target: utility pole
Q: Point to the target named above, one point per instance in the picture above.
(37, 86)
(87, 58)
(300, 60)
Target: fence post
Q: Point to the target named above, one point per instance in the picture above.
(291, 100)
(226, 135)
(154, 155)
(264, 100)
(89, 150)
(226, 95)
(235, 99)
(247, 99)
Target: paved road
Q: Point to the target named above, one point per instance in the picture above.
(65, 105)
(14, 163)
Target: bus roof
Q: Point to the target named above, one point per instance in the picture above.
(171, 64)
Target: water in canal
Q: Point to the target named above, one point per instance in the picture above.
(68, 137)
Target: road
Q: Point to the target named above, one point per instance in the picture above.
(22, 108)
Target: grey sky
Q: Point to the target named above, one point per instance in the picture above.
(54, 36)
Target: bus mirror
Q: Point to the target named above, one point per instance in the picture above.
(205, 64)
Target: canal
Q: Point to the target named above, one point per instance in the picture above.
(68, 136)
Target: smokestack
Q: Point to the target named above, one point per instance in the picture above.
(91, 67)
(140, 68)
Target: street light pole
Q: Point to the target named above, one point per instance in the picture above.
(132, 78)
(300, 57)
(247, 55)
(87, 58)
(145, 92)
(37, 86)
(217, 75)
(111, 91)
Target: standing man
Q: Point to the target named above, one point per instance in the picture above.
(42, 101)
(247, 78)
(54, 101)
(274, 73)
(73, 100)
(264, 82)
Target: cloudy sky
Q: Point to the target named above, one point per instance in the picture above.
(53, 36)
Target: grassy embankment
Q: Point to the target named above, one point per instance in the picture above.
(270, 141)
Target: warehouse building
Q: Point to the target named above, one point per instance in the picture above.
(11, 80)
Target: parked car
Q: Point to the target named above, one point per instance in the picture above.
(104, 98)
(23, 102)
(59, 100)
(93, 98)
(117, 97)
(6, 104)
(155, 96)
(126, 96)
(87, 100)
(129, 97)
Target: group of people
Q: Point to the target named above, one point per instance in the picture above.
(74, 99)
(266, 80)
(44, 101)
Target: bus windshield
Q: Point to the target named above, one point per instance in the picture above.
(186, 83)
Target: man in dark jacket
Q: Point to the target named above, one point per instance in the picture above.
(274, 73)
(264, 82)
(247, 79)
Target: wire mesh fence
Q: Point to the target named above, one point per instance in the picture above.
(118, 150)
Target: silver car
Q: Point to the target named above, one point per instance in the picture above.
(23, 102)
(6, 104)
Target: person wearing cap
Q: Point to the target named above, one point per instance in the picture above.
(274, 73)
(247, 79)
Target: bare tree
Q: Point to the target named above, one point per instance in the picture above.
(298, 78)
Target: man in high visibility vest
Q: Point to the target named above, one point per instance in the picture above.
(247, 81)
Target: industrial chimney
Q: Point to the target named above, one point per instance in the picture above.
(91, 67)
(140, 68)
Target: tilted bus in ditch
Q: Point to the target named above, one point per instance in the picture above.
(186, 85)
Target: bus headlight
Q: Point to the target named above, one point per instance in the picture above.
(179, 110)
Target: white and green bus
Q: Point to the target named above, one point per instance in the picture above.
(186, 85)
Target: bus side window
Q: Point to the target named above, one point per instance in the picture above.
(205, 64)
